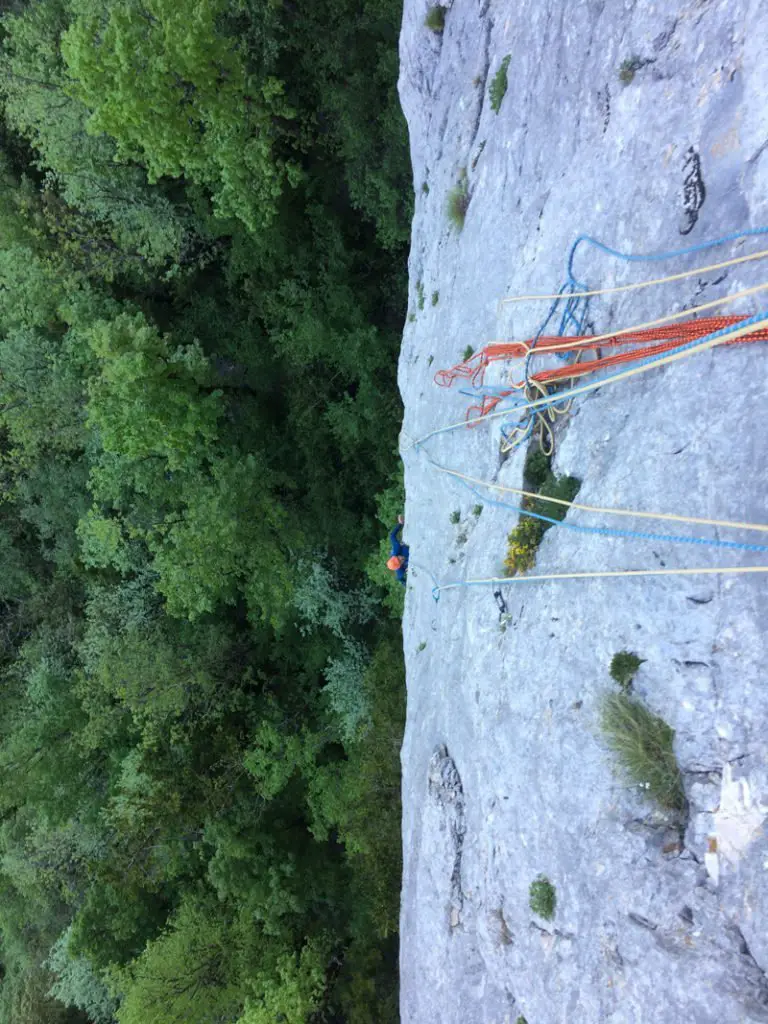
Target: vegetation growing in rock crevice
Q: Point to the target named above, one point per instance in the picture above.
(629, 68)
(458, 202)
(524, 540)
(435, 19)
(624, 666)
(644, 747)
(543, 898)
(498, 87)
(203, 243)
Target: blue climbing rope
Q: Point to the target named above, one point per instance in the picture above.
(573, 319)
(574, 315)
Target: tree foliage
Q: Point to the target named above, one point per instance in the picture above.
(175, 94)
(204, 210)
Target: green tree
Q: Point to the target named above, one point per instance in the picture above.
(34, 83)
(148, 399)
(185, 974)
(296, 988)
(177, 96)
(78, 985)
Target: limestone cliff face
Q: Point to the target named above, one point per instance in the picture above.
(505, 773)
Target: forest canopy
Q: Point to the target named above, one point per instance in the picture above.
(203, 238)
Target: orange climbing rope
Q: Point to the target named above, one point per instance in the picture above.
(667, 337)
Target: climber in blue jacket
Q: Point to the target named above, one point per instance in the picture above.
(398, 561)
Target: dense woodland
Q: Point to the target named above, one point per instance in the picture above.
(203, 230)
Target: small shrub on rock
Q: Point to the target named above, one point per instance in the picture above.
(498, 87)
(543, 898)
(629, 69)
(435, 19)
(537, 469)
(523, 543)
(624, 665)
(563, 488)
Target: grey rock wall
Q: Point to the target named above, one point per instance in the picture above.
(505, 776)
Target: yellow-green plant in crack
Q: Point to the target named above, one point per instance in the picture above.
(498, 86)
(523, 542)
(435, 19)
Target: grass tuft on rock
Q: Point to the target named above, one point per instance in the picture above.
(499, 84)
(435, 19)
(543, 898)
(624, 665)
(643, 745)
(458, 203)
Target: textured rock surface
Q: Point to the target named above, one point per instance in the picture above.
(505, 776)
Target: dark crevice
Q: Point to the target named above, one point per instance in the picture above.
(446, 789)
(557, 932)
(604, 103)
(663, 39)
(694, 190)
(757, 996)
(483, 76)
(642, 922)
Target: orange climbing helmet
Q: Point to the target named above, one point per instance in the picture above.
(395, 562)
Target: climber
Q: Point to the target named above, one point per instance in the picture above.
(398, 562)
